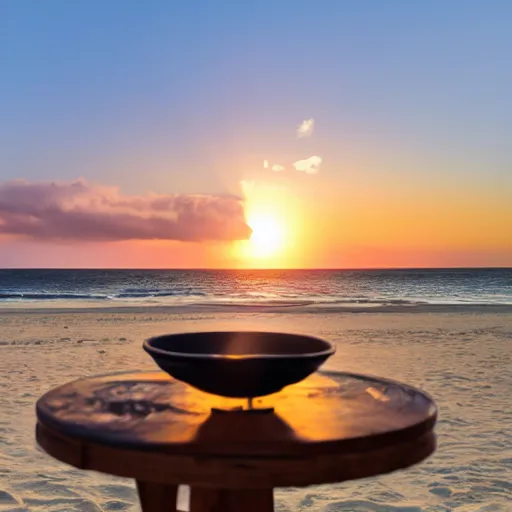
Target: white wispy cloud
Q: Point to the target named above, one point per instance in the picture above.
(310, 165)
(277, 167)
(305, 129)
(265, 164)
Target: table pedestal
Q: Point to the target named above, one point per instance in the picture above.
(161, 498)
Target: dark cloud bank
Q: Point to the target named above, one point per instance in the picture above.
(82, 211)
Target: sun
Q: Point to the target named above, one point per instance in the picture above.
(271, 211)
(268, 235)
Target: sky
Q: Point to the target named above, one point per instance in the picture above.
(199, 134)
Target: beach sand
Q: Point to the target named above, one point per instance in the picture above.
(462, 357)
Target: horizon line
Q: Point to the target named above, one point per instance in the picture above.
(331, 269)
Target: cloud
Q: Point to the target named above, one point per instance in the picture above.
(305, 129)
(265, 164)
(310, 165)
(82, 211)
(277, 168)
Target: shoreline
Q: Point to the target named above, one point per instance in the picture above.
(252, 308)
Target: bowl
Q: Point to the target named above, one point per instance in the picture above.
(238, 364)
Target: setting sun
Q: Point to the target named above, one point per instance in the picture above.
(267, 245)
(273, 216)
(267, 235)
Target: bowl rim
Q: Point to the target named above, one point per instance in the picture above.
(329, 350)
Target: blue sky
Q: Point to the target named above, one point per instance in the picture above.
(189, 96)
(182, 90)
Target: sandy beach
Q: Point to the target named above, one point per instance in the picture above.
(461, 356)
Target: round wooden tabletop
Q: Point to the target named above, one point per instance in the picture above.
(330, 427)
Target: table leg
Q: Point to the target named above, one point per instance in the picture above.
(228, 500)
(157, 497)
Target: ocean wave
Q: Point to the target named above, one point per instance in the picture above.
(46, 296)
(183, 297)
(50, 296)
(134, 294)
(377, 301)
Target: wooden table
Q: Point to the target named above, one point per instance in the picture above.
(331, 427)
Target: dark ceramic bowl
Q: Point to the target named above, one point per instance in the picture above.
(238, 364)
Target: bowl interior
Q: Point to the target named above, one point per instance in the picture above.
(240, 344)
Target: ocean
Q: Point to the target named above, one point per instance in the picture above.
(361, 288)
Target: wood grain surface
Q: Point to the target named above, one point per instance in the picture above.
(329, 428)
